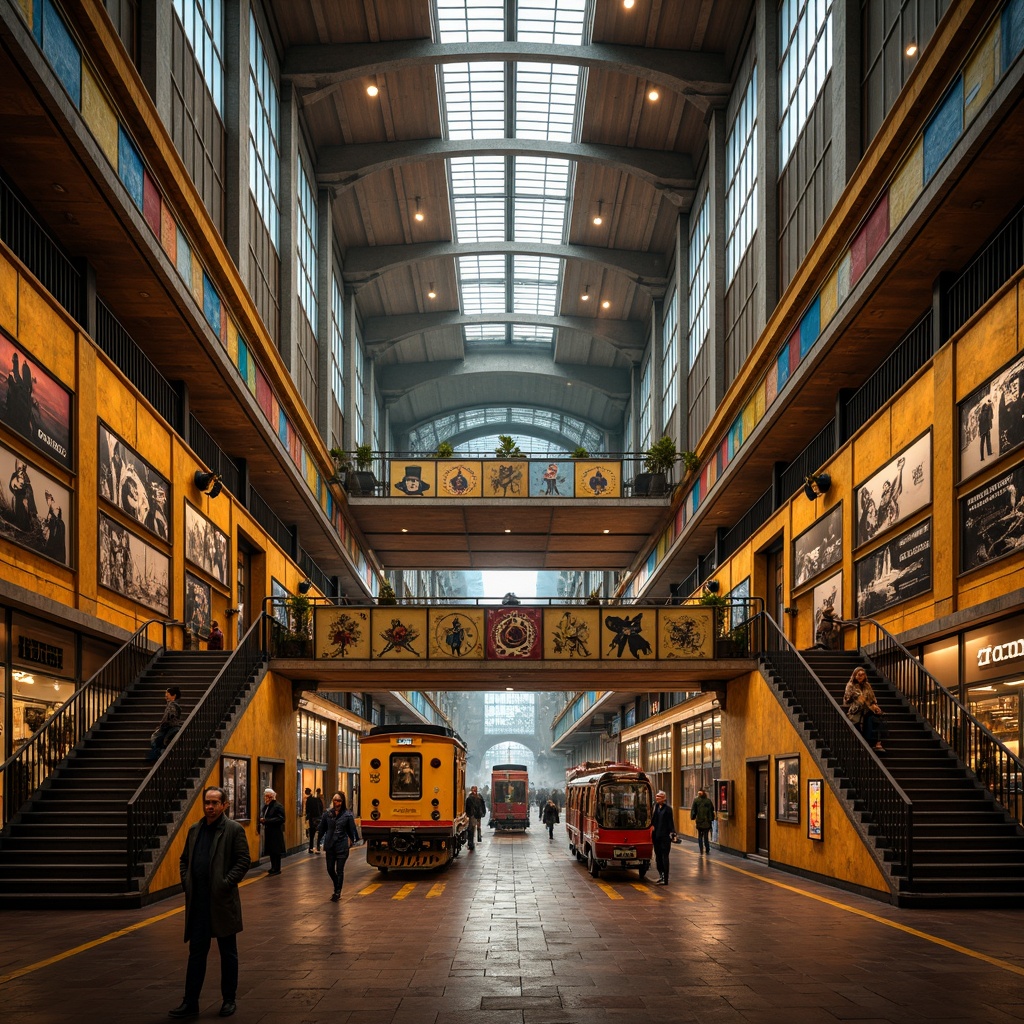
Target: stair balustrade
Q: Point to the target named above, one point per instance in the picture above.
(996, 766)
(187, 753)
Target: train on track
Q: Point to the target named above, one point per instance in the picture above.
(510, 795)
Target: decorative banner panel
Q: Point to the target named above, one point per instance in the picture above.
(598, 479)
(514, 633)
(399, 633)
(459, 480)
(897, 571)
(899, 489)
(504, 479)
(413, 481)
(342, 633)
(686, 633)
(197, 605)
(551, 479)
(627, 631)
(456, 634)
(572, 633)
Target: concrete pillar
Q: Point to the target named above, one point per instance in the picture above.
(289, 294)
(236, 121)
(681, 427)
(155, 22)
(716, 252)
(766, 240)
(846, 94)
(657, 367)
(351, 343)
(325, 291)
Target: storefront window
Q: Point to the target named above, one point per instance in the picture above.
(997, 707)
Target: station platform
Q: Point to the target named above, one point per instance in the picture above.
(519, 933)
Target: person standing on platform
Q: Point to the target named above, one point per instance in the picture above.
(313, 810)
(475, 809)
(170, 723)
(339, 835)
(703, 814)
(215, 641)
(214, 861)
(272, 823)
(663, 832)
(550, 818)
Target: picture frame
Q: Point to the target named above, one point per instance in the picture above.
(895, 572)
(992, 520)
(828, 594)
(787, 788)
(279, 595)
(207, 546)
(234, 778)
(35, 509)
(816, 809)
(198, 596)
(131, 484)
(998, 430)
(894, 493)
(131, 567)
(819, 547)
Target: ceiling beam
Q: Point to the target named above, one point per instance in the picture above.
(671, 174)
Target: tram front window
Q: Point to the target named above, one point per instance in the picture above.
(624, 805)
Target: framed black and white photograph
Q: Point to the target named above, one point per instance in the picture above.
(34, 404)
(197, 605)
(206, 545)
(992, 419)
(234, 777)
(897, 571)
(131, 484)
(992, 520)
(279, 602)
(900, 488)
(787, 788)
(133, 568)
(828, 612)
(818, 547)
(35, 510)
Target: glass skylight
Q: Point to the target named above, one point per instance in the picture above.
(482, 281)
(535, 284)
(506, 420)
(546, 101)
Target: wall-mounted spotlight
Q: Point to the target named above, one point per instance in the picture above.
(305, 586)
(712, 586)
(209, 483)
(372, 90)
(816, 485)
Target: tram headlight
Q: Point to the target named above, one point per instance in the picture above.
(435, 815)
(375, 763)
(375, 815)
(435, 802)
(375, 802)
(435, 762)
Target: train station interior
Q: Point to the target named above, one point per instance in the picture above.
(598, 381)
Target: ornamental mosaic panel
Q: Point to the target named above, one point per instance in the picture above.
(572, 634)
(342, 633)
(456, 634)
(399, 633)
(513, 634)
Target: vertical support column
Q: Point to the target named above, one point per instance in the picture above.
(369, 402)
(766, 239)
(325, 307)
(682, 278)
(236, 121)
(846, 94)
(351, 343)
(657, 342)
(289, 295)
(716, 251)
(155, 22)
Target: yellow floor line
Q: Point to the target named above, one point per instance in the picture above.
(404, 891)
(610, 892)
(370, 889)
(647, 890)
(436, 890)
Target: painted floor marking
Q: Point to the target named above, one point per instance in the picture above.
(647, 890)
(370, 889)
(436, 890)
(610, 892)
(404, 891)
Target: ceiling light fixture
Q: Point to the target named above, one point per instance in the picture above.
(404, 530)
(911, 49)
(58, 187)
(508, 531)
(606, 531)
(628, 4)
(372, 90)
(431, 294)
(606, 304)
(653, 95)
(585, 297)
(418, 215)
(598, 219)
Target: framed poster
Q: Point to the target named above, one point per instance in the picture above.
(35, 510)
(900, 488)
(398, 632)
(132, 567)
(504, 479)
(992, 520)
(992, 419)
(598, 479)
(815, 809)
(197, 605)
(34, 404)
(341, 632)
(459, 479)
(131, 484)
(787, 788)
(206, 545)
(513, 634)
(818, 547)
(686, 633)
(413, 481)
(234, 777)
(897, 571)
(551, 479)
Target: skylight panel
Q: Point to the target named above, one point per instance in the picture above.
(475, 174)
(540, 176)
(546, 96)
(474, 100)
(484, 334)
(539, 220)
(549, 21)
(469, 21)
(479, 219)
(527, 334)
(482, 282)
(540, 200)
(535, 284)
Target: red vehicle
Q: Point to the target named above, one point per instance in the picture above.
(608, 808)
(510, 787)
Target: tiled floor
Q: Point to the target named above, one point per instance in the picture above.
(519, 933)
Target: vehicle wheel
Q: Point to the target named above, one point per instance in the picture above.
(595, 871)
(643, 869)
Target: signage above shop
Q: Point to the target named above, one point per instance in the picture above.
(994, 651)
(39, 653)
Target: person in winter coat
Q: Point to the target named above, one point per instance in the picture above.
(170, 723)
(663, 831)
(550, 818)
(213, 862)
(313, 811)
(272, 824)
(339, 835)
(475, 809)
(703, 814)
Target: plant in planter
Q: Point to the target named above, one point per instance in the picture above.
(342, 466)
(444, 451)
(293, 640)
(658, 463)
(507, 448)
(712, 599)
(364, 479)
(580, 453)
(595, 596)
(387, 593)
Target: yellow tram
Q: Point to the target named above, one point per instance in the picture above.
(413, 783)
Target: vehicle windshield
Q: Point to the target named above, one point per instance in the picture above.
(509, 792)
(624, 805)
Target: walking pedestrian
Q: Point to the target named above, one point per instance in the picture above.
(703, 814)
(663, 832)
(272, 823)
(475, 809)
(550, 818)
(170, 723)
(213, 862)
(338, 832)
(313, 809)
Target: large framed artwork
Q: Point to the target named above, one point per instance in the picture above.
(398, 633)
(900, 488)
(818, 547)
(828, 604)
(897, 571)
(34, 404)
(456, 634)
(992, 520)
(133, 568)
(513, 634)
(131, 484)
(787, 788)
(35, 510)
(598, 479)
(626, 633)
(197, 605)
(551, 479)
(686, 633)
(459, 479)
(206, 545)
(816, 809)
(341, 632)
(992, 419)
(572, 634)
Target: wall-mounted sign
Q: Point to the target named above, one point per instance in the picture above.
(994, 651)
(39, 653)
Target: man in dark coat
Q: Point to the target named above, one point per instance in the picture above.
(475, 809)
(272, 824)
(663, 831)
(702, 813)
(213, 862)
(313, 811)
(549, 817)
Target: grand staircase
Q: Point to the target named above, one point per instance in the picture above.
(966, 850)
(67, 847)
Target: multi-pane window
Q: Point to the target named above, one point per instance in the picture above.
(311, 733)
(805, 35)
(505, 420)
(741, 180)
(700, 279)
(645, 407)
(659, 751)
(337, 343)
(631, 751)
(700, 753)
(359, 427)
(264, 143)
(203, 21)
(305, 250)
(509, 714)
(348, 747)
(670, 358)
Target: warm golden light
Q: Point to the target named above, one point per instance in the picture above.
(606, 304)
(911, 49)
(372, 90)
(431, 294)
(418, 215)
(654, 95)
(628, 4)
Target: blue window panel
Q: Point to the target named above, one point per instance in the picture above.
(211, 304)
(810, 327)
(282, 427)
(62, 53)
(944, 128)
(735, 437)
(243, 359)
(652, 562)
(1012, 32)
(37, 21)
(129, 170)
(782, 366)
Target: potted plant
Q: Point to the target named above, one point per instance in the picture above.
(444, 451)
(387, 593)
(342, 466)
(595, 595)
(712, 599)
(658, 463)
(507, 448)
(365, 481)
(293, 640)
(580, 453)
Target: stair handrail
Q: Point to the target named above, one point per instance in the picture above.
(878, 793)
(996, 767)
(31, 764)
(188, 749)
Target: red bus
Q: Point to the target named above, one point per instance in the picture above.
(510, 788)
(608, 809)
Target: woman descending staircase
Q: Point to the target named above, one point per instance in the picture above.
(965, 849)
(67, 847)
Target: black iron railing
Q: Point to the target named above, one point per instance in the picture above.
(29, 766)
(213, 455)
(755, 517)
(313, 572)
(261, 511)
(187, 753)
(821, 448)
(875, 790)
(997, 768)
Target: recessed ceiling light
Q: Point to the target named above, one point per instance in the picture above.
(144, 295)
(404, 530)
(509, 689)
(911, 49)
(606, 304)
(628, 4)
(508, 531)
(58, 187)
(372, 90)
(653, 95)
(606, 531)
